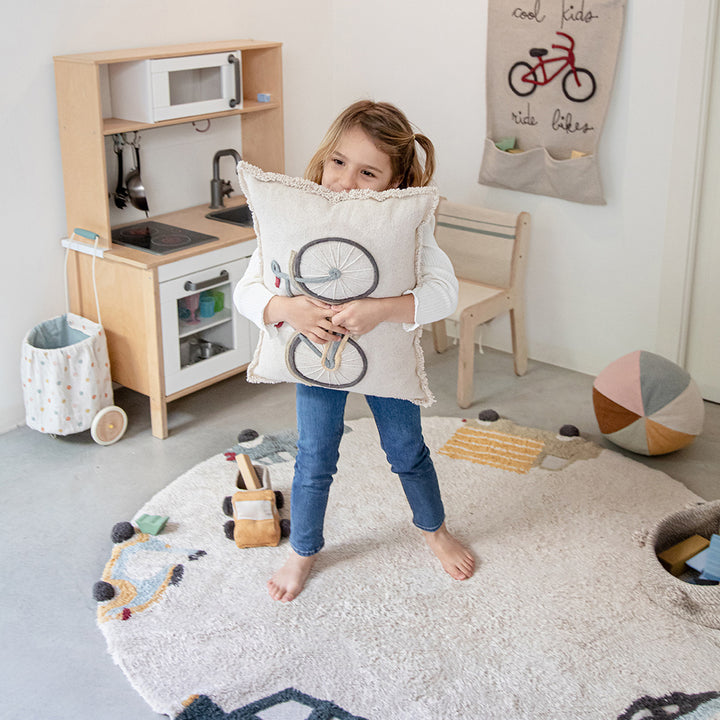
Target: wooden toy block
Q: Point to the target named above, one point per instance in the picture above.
(697, 562)
(711, 571)
(674, 558)
(247, 472)
(151, 524)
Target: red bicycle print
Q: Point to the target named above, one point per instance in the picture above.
(578, 84)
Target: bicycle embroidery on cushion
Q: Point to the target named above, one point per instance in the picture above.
(334, 270)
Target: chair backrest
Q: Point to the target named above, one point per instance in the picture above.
(484, 246)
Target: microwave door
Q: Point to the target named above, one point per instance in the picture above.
(195, 85)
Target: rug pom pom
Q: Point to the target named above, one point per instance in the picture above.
(569, 431)
(247, 435)
(230, 529)
(103, 591)
(279, 500)
(488, 416)
(122, 531)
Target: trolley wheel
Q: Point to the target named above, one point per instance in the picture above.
(109, 425)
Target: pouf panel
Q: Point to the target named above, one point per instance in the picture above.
(661, 381)
(633, 437)
(685, 413)
(610, 415)
(661, 439)
(620, 382)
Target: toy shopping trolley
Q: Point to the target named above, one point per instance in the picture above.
(65, 370)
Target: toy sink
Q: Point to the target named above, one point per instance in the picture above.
(239, 215)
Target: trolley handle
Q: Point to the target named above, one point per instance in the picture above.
(191, 286)
(87, 234)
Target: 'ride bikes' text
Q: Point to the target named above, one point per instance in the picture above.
(561, 122)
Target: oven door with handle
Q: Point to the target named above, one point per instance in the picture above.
(203, 335)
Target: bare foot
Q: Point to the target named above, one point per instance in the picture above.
(456, 559)
(287, 583)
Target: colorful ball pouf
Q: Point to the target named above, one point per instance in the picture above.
(647, 404)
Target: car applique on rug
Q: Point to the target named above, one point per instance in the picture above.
(140, 570)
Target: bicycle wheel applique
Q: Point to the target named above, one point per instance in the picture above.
(550, 72)
(335, 270)
(337, 364)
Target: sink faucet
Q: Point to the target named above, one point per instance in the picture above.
(219, 188)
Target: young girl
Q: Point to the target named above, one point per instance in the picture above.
(369, 146)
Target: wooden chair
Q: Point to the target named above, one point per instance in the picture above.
(488, 251)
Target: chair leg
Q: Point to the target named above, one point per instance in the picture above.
(466, 359)
(439, 332)
(519, 339)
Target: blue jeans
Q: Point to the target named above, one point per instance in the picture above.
(320, 420)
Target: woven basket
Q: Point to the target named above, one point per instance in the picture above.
(697, 603)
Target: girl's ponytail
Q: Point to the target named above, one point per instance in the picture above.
(423, 172)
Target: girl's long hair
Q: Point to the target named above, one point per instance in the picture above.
(391, 132)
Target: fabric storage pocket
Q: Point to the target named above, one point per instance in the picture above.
(535, 171)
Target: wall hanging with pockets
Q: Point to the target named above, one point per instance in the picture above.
(550, 71)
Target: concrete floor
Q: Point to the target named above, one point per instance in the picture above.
(61, 497)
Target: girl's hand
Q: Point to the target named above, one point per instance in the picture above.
(311, 317)
(358, 317)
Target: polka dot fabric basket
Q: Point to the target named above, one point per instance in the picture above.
(66, 380)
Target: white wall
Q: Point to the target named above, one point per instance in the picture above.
(595, 280)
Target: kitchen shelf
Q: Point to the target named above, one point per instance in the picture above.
(113, 126)
(218, 318)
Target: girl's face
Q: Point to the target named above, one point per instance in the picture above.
(357, 164)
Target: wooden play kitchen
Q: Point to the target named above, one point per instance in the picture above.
(168, 315)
